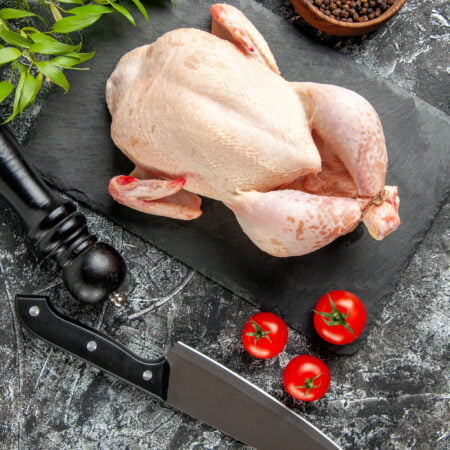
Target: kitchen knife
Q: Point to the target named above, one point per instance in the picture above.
(185, 379)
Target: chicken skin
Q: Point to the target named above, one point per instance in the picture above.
(208, 114)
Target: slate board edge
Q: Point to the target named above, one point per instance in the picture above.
(242, 292)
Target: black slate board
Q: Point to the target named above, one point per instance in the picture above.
(71, 147)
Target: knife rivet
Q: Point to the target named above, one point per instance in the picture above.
(34, 311)
(91, 346)
(147, 375)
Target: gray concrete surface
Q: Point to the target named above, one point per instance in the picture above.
(393, 394)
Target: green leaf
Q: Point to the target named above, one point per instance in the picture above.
(72, 2)
(28, 92)
(69, 60)
(56, 13)
(9, 54)
(14, 38)
(3, 25)
(141, 8)
(51, 48)
(120, 9)
(21, 68)
(13, 66)
(12, 13)
(34, 30)
(74, 23)
(53, 73)
(65, 62)
(5, 89)
(17, 96)
(84, 56)
(23, 4)
(38, 84)
(41, 37)
(89, 10)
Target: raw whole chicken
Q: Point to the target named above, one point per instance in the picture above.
(208, 114)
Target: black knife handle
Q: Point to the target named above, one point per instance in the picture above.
(91, 271)
(92, 346)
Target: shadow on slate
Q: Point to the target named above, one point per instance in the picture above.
(71, 147)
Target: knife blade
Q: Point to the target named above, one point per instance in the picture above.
(185, 379)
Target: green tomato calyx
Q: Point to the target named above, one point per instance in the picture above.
(336, 317)
(259, 332)
(309, 384)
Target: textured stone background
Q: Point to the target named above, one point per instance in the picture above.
(392, 394)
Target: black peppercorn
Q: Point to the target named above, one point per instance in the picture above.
(353, 10)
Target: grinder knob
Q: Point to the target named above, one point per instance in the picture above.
(95, 274)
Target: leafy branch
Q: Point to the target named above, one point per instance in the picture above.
(35, 55)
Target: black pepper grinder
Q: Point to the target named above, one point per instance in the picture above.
(92, 271)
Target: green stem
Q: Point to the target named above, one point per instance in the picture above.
(336, 317)
(309, 384)
(259, 332)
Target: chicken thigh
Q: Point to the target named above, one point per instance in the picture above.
(208, 114)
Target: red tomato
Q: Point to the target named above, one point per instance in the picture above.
(306, 378)
(264, 335)
(339, 317)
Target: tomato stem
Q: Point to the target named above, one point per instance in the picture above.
(336, 317)
(309, 384)
(259, 332)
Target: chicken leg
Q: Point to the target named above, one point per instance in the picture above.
(349, 135)
(293, 223)
(317, 208)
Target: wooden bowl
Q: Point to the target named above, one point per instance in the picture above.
(329, 25)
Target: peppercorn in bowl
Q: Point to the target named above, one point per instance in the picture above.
(347, 17)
